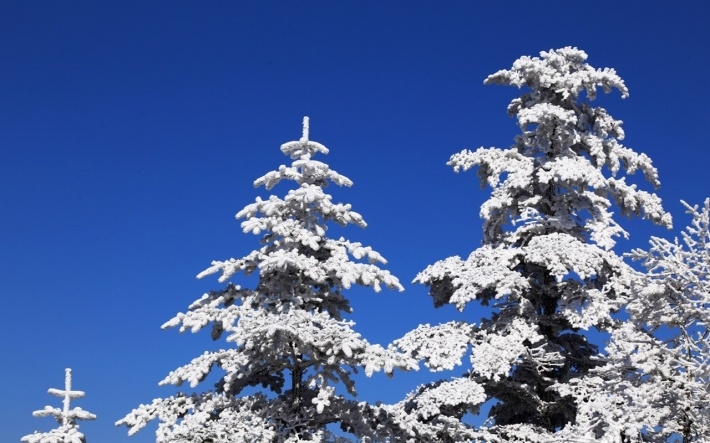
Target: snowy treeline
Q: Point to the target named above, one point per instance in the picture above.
(546, 273)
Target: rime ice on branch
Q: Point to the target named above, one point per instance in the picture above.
(67, 432)
(655, 383)
(667, 370)
(287, 374)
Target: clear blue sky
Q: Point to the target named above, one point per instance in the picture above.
(131, 132)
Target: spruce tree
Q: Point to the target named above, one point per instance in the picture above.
(287, 374)
(546, 270)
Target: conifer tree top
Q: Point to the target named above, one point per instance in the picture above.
(66, 417)
(565, 170)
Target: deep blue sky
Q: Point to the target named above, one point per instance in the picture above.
(131, 132)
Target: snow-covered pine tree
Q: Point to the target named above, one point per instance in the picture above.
(288, 334)
(545, 268)
(68, 430)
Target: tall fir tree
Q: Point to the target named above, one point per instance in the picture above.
(68, 430)
(288, 334)
(545, 269)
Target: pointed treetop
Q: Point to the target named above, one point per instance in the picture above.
(304, 170)
(66, 417)
(304, 138)
(304, 148)
(68, 394)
